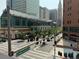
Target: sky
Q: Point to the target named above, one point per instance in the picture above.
(50, 4)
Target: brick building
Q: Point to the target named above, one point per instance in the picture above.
(71, 20)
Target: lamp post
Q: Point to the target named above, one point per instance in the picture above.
(54, 41)
(10, 52)
(9, 38)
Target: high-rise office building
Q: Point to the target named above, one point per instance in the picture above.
(60, 16)
(18, 5)
(44, 13)
(53, 15)
(30, 7)
(71, 19)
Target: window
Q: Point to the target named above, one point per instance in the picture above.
(74, 29)
(65, 29)
(69, 14)
(17, 22)
(68, 22)
(59, 53)
(69, 8)
(23, 22)
(65, 54)
(70, 55)
(69, 2)
(4, 23)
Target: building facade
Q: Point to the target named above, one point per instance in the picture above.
(60, 16)
(24, 17)
(44, 13)
(53, 15)
(22, 25)
(71, 20)
(30, 7)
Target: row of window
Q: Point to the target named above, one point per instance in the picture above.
(71, 29)
(14, 22)
(4, 23)
(70, 55)
(69, 7)
(69, 22)
(69, 2)
(19, 5)
(41, 28)
(38, 24)
(22, 22)
(65, 29)
(74, 29)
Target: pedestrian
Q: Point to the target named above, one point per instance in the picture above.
(40, 42)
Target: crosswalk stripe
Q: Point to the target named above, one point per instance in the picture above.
(44, 55)
(40, 51)
(26, 56)
(35, 55)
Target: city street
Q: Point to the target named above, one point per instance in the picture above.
(39, 29)
(15, 46)
(34, 53)
(45, 52)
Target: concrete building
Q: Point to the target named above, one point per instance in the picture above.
(24, 18)
(18, 5)
(44, 13)
(22, 25)
(53, 15)
(30, 7)
(60, 16)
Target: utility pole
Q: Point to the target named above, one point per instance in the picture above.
(10, 52)
(54, 47)
(55, 40)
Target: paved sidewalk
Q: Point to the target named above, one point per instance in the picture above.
(5, 56)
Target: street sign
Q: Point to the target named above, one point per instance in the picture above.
(21, 51)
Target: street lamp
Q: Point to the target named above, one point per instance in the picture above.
(10, 52)
(9, 38)
(54, 42)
